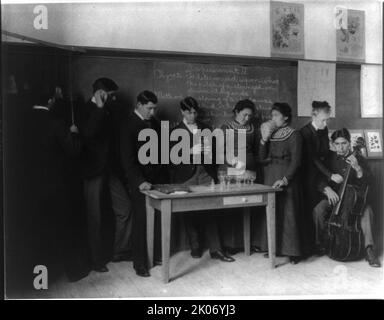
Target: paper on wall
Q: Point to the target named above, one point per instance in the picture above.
(371, 91)
(316, 81)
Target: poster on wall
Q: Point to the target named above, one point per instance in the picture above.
(350, 37)
(373, 138)
(287, 29)
(316, 82)
(371, 91)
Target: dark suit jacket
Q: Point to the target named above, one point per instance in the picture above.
(134, 172)
(49, 145)
(183, 172)
(100, 130)
(314, 153)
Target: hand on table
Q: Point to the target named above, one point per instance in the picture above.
(145, 186)
(279, 184)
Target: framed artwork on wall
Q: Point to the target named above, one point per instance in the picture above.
(350, 38)
(287, 29)
(374, 141)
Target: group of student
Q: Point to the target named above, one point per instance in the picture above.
(297, 161)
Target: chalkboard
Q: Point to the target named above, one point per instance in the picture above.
(132, 76)
(218, 87)
(173, 80)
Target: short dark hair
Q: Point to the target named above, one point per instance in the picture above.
(146, 96)
(189, 103)
(341, 133)
(244, 104)
(284, 108)
(105, 84)
(321, 105)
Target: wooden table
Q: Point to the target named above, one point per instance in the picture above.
(207, 198)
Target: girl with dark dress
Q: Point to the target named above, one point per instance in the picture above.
(243, 115)
(231, 225)
(280, 152)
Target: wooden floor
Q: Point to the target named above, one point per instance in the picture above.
(249, 276)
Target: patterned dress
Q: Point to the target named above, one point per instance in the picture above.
(231, 225)
(252, 142)
(281, 157)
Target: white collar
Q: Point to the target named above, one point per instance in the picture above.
(93, 99)
(139, 115)
(314, 125)
(191, 127)
(40, 108)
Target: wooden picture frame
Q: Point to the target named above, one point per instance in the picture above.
(374, 140)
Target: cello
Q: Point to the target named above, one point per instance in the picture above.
(344, 230)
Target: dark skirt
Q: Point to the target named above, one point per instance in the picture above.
(288, 216)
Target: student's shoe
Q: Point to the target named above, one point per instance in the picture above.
(196, 253)
(294, 260)
(142, 272)
(371, 258)
(231, 251)
(256, 249)
(221, 256)
(158, 262)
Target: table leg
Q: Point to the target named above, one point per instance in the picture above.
(271, 228)
(150, 231)
(247, 230)
(165, 236)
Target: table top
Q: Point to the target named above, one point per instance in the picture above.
(212, 191)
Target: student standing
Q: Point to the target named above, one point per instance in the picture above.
(139, 176)
(49, 146)
(280, 151)
(315, 150)
(100, 170)
(243, 119)
(197, 174)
